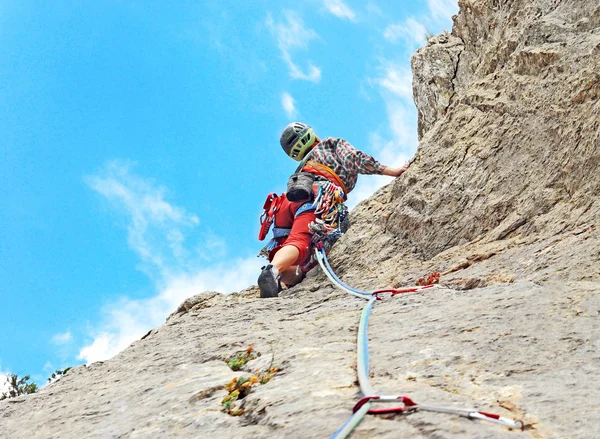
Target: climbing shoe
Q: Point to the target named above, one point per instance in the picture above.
(268, 283)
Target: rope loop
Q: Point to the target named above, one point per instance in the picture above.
(363, 406)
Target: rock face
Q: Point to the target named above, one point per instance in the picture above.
(502, 199)
(435, 68)
(515, 135)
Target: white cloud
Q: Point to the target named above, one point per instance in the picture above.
(289, 105)
(62, 338)
(155, 227)
(366, 186)
(291, 35)
(157, 232)
(395, 144)
(411, 31)
(212, 247)
(339, 9)
(127, 320)
(374, 9)
(396, 91)
(107, 345)
(397, 80)
(402, 119)
(3, 377)
(395, 86)
(443, 9)
(399, 143)
(225, 278)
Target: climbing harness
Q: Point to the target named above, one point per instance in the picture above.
(370, 396)
(267, 218)
(328, 205)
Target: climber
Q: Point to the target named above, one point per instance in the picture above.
(328, 171)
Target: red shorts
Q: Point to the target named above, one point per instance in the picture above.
(300, 236)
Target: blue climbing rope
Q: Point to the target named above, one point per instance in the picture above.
(368, 392)
(336, 281)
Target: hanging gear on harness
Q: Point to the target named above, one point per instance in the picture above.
(311, 181)
(272, 206)
(324, 173)
(331, 212)
(266, 218)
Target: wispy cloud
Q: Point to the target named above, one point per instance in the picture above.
(365, 188)
(156, 229)
(398, 142)
(373, 9)
(340, 9)
(3, 377)
(289, 105)
(211, 248)
(127, 320)
(395, 87)
(61, 338)
(442, 9)
(411, 31)
(158, 232)
(396, 80)
(292, 35)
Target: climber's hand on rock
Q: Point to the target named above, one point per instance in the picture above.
(394, 172)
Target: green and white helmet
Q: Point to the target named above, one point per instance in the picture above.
(297, 139)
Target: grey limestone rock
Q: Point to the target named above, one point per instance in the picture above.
(435, 67)
(502, 199)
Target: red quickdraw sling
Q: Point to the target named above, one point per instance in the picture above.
(266, 218)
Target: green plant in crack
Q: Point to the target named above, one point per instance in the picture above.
(240, 387)
(239, 359)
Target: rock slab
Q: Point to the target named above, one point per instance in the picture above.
(501, 199)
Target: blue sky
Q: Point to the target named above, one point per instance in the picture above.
(140, 138)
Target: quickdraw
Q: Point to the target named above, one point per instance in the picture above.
(328, 206)
(370, 396)
(267, 217)
(323, 235)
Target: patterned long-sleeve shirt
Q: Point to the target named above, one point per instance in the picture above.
(345, 160)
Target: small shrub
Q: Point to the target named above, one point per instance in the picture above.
(58, 374)
(239, 388)
(268, 375)
(239, 359)
(18, 386)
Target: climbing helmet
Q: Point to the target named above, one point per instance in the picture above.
(297, 139)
